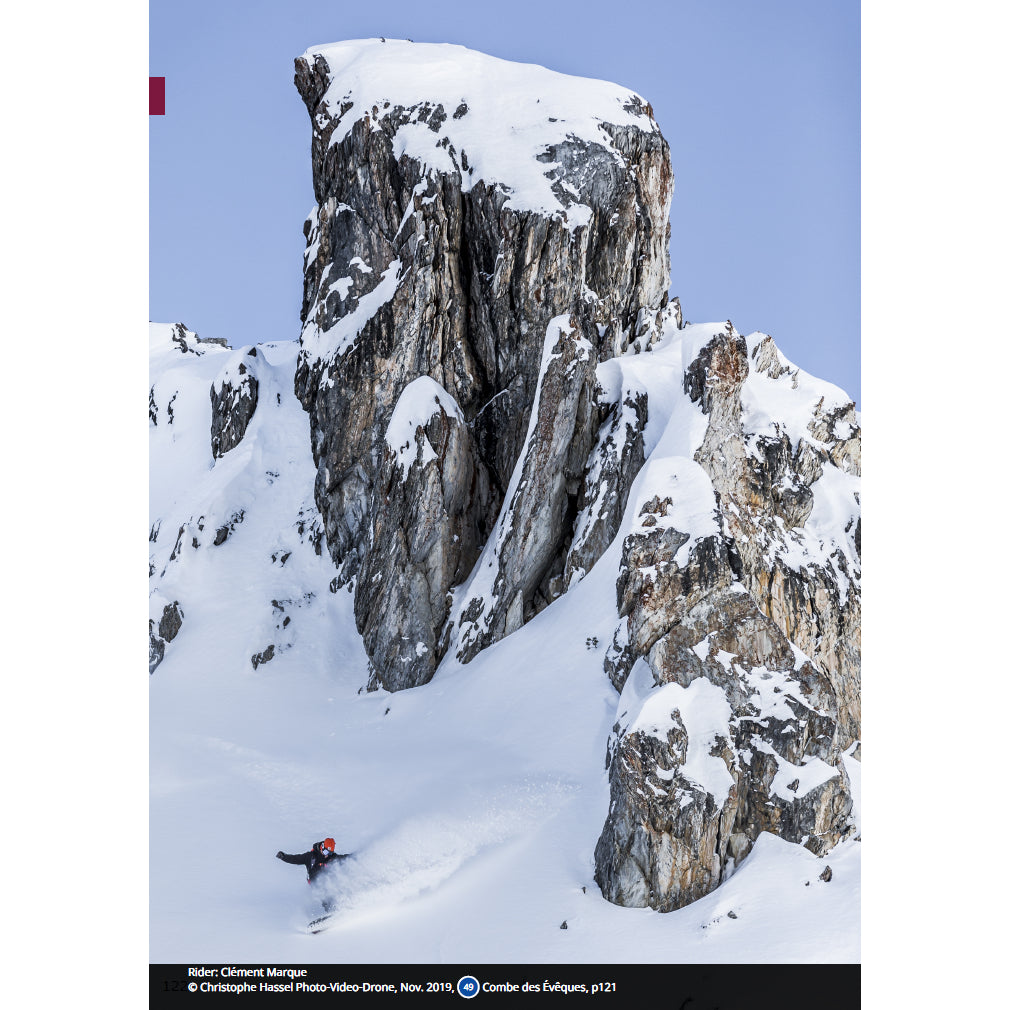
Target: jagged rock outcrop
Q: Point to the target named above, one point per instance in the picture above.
(617, 456)
(522, 570)
(431, 489)
(188, 341)
(452, 226)
(488, 245)
(803, 574)
(727, 725)
(163, 631)
(725, 730)
(233, 396)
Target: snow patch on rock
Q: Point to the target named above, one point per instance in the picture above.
(418, 402)
(464, 108)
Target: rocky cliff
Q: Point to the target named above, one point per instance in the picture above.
(503, 408)
(737, 650)
(481, 248)
(498, 230)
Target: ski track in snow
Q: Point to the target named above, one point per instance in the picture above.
(423, 852)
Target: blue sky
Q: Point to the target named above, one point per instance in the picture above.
(759, 103)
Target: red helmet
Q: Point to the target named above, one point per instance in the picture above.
(329, 843)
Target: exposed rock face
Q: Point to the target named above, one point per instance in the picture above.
(523, 569)
(764, 480)
(615, 461)
(430, 492)
(233, 397)
(428, 258)
(726, 726)
(488, 242)
(190, 342)
(163, 631)
(739, 738)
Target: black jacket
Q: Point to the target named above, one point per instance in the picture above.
(315, 860)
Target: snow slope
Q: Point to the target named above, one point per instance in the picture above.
(472, 804)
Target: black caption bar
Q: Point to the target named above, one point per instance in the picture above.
(678, 986)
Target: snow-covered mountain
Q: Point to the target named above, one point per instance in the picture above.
(540, 600)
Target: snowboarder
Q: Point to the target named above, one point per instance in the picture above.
(321, 855)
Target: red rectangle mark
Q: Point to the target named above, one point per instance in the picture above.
(157, 96)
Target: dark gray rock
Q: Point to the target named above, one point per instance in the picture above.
(189, 342)
(233, 397)
(424, 539)
(411, 273)
(224, 531)
(706, 751)
(162, 632)
(616, 458)
(523, 568)
(262, 657)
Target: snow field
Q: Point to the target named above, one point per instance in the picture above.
(472, 804)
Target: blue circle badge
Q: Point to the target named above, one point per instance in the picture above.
(468, 987)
